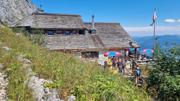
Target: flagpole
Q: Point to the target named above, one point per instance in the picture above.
(154, 46)
(154, 34)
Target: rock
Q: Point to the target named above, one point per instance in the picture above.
(29, 72)
(12, 11)
(40, 92)
(71, 98)
(3, 86)
(1, 66)
(22, 58)
(36, 84)
(18, 34)
(6, 48)
(27, 61)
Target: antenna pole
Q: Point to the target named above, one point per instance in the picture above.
(40, 5)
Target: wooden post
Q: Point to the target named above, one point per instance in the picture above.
(135, 53)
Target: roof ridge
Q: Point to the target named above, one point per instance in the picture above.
(57, 14)
(103, 23)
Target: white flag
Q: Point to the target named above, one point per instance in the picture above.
(154, 17)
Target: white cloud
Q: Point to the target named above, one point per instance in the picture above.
(170, 20)
(148, 31)
(178, 20)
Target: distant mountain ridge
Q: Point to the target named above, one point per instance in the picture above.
(163, 40)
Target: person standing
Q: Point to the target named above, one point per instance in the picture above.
(109, 62)
(134, 65)
(105, 64)
(123, 66)
(137, 74)
(119, 65)
(127, 68)
(114, 61)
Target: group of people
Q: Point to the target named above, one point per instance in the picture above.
(115, 63)
(125, 66)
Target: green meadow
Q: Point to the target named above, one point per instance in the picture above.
(86, 80)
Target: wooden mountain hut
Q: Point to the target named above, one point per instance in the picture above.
(68, 33)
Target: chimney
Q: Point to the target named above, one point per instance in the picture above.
(93, 22)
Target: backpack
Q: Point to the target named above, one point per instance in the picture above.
(138, 72)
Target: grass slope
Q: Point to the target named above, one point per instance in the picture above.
(87, 81)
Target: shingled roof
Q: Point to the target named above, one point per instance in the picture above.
(108, 36)
(70, 42)
(52, 21)
(112, 36)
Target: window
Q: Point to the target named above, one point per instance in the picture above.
(90, 54)
(82, 32)
(59, 32)
(67, 33)
(50, 33)
(92, 31)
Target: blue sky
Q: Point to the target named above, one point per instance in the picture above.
(134, 15)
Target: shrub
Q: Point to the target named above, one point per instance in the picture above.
(164, 79)
(21, 30)
(17, 90)
(36, 35)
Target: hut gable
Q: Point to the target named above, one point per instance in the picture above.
(53, 21)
